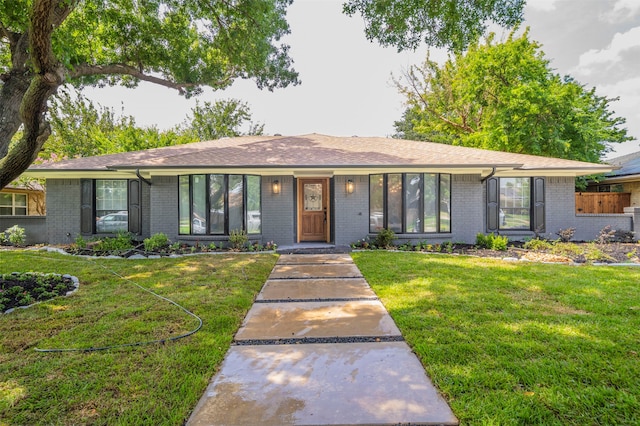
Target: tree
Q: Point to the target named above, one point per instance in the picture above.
(80, 128)
(504, 96)
(181, 45)
(222, 118)
(440, 23)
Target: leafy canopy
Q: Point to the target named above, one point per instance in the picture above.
(184, 45)
(440, 23)
(504, 96)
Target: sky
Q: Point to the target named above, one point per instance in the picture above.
(347, 86)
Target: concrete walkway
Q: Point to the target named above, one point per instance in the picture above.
(318, 348)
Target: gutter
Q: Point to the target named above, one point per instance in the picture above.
(145, 180)
(489, 176)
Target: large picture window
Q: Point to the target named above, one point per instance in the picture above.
(13, 204)
(111, 205)
(215, 204)
(410, 202)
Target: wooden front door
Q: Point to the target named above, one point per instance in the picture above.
(313, 210)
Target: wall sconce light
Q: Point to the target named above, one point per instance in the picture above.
(276, 186)
(350, 186)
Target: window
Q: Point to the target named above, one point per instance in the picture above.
(410, 202)
(13, 204)
(111, 210)
(218, 204)
(515, 203)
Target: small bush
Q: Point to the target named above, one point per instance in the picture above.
(492, 241)
(80, 242)
(606, 235)
(121, 242)
(15, 235)
(385, 238)
(238, 239)
(538, 244)
(156, 242)
(566, 234)
(623, 236)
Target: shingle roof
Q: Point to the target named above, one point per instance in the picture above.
(314, 150)
(629, 165)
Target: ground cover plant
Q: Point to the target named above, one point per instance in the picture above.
(152, 384)
(23, 289)
(518, 343)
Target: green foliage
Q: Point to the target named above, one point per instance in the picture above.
(445, 23)
(14, 235)
(538, 244)
(223, 118)
(121, 242)
(80, 242)
(505, 96)
(492, 242)
(384, 238)
(23, 289)
(156, 242)
(238, 239)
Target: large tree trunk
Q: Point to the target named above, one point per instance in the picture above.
(36, 87)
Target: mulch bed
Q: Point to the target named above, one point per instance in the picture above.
(22, 289)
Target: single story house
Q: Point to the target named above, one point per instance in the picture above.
(315, 188)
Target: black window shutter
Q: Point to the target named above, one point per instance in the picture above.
(135, 212)
(87, 219)
(538, 205)
(492, 204)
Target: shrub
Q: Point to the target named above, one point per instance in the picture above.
(623, 236)
(606, 235)
(385, 238)
(15, 235)
(121, 242)
(156, 242)
(238, 239)
(492, 241)
(566, 234)
(80, 242)
(538, 244)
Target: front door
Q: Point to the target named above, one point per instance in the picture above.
(313, 203)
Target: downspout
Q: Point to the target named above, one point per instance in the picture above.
(147, 181)
(489, 176)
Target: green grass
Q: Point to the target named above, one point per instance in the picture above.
(152, 385)
(518, 343)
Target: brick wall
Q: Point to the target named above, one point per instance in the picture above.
(278, 210)
(163, 202)
(351, 211)
(35, 227)
(63, 210)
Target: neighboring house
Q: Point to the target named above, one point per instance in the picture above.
(625, 179)
(316, 188)
(19, 200)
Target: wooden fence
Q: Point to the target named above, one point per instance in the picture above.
(602, 202)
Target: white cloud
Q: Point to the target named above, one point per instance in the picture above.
(608, 56)
(544, 5)
(623, 10)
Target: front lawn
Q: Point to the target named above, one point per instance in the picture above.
(518, 343)
(155, 384)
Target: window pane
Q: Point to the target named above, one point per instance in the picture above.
(199, 205)
(236, 202)
(216, 204)
(7, 211)
(430, 202)
(6, 200)
(376, 203)
(254, 219)
(445, 203)
(20, 200)
(394, 202)
(413, 202)
(184, 205)
(515, 207)
(111, 205)
(21, 211)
